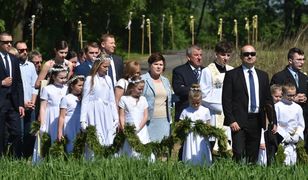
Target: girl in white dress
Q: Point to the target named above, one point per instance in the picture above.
(196, 149)
(98, 106)
(133, 110)
(51, 96)
(69, 119)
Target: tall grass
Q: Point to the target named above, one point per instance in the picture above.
(125, 168)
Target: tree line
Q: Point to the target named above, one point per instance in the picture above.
(58, 19)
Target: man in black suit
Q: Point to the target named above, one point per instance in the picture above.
(11, 97)
(184, 76)
(245, 93)
(292, 74)
(91, 53)
(115, 70)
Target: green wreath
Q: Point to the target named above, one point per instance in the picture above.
(186, 126)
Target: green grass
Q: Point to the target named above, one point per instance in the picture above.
(125, 168)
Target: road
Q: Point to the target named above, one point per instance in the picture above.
(172, 60)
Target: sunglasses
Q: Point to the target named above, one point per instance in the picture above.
(93, 52)
(246, 54)
(22, 50)
(6, 42)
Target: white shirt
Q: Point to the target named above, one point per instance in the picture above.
(256, 82)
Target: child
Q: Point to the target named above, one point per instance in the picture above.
(196, 149)
(290, 122)
(132, 68)
(133, 110)
(276, 93)
(98, 106)
(51, 96)
(69, 119)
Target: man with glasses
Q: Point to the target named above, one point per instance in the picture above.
(245, 93)
(211, 86)
(11, 97)
(29, 76)
(292, 74)
(36, 58)
(91, 53)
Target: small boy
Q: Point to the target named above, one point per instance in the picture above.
(290, 122)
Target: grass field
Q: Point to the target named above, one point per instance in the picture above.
(124, 168)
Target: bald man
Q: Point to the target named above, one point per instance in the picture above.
(245, 93)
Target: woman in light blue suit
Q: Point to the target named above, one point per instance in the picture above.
(157, 91)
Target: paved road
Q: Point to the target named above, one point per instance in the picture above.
(172, 60)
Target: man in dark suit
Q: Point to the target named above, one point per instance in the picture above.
(245, 93)
(292, 74)
(11, 97)
(184, 76)
(91, 53)
(108, 45)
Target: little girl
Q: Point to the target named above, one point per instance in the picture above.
(196, 149)
(51, 96)
(133, 110)
(69, 119)
(264, 158)
(98, 106)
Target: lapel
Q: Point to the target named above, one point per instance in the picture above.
(13, 64)
(149, 81)
(260, 83)
(191, 73)
(242, 79)
(290, 76)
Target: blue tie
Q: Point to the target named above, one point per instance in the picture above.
(7, 65)
(253, 104)
(196, 73)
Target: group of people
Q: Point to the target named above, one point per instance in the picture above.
(102, 91)
(241, 102)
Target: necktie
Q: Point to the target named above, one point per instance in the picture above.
(110, 72)
(7, 65)
(253, 104)
(196, 73)
(296, 79)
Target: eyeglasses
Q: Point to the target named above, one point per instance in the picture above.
(6, 42)
(93, 52)
(22, 50)
(246, 54)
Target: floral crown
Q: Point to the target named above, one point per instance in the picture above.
(58, 69)
(134, 81)
(74, 78)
